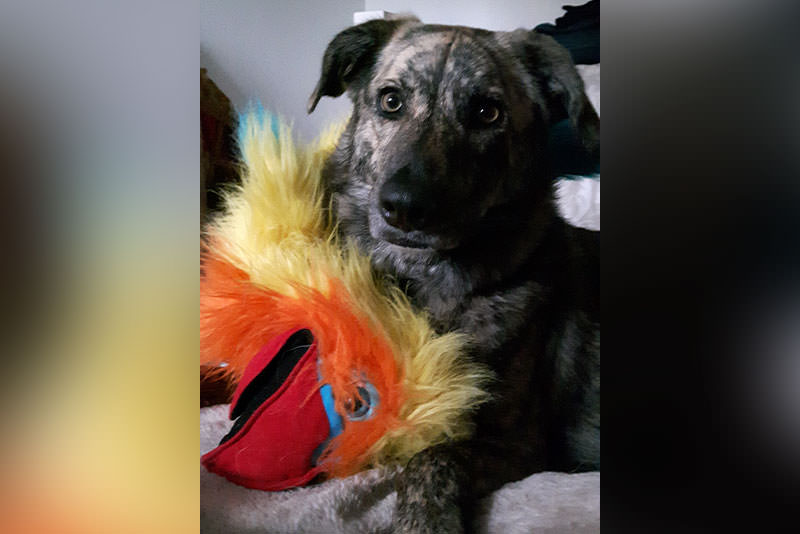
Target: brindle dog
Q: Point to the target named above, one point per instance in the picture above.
(442, 175)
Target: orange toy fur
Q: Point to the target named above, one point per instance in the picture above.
(237, 317)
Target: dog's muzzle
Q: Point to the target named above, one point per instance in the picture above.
(413, 213)
(405, 205)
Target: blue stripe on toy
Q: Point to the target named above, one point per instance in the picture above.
(334, 419)
(255, 111)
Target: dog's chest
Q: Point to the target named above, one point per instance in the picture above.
(490, 318)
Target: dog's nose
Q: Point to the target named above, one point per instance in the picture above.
(402, 208)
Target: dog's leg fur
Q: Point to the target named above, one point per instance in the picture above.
(431, 491)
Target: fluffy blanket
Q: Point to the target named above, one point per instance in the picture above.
(545, 502)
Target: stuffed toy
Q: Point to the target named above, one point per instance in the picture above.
(334, 370)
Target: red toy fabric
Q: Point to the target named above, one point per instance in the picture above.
(281, 422)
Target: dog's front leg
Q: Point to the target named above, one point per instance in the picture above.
(432, 492)
(439, 489)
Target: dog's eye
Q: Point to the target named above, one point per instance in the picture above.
(391, 102)
(488, 113)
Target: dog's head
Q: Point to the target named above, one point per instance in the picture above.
(448, 126)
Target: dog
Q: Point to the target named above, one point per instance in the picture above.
(442, 176)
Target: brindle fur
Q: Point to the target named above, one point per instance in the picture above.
(480, 246)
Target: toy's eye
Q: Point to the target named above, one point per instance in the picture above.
(391, 102)
(360, 407)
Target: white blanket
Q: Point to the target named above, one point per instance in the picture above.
(579, 196)
(546, 502)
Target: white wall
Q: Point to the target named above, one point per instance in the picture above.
(271, 50)
(492, 15)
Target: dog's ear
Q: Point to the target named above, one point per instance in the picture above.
(552, 64)
(349, 53)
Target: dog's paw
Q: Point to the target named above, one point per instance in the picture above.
(416, 517)
(429, 493)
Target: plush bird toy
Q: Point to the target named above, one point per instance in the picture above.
(335, 371)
